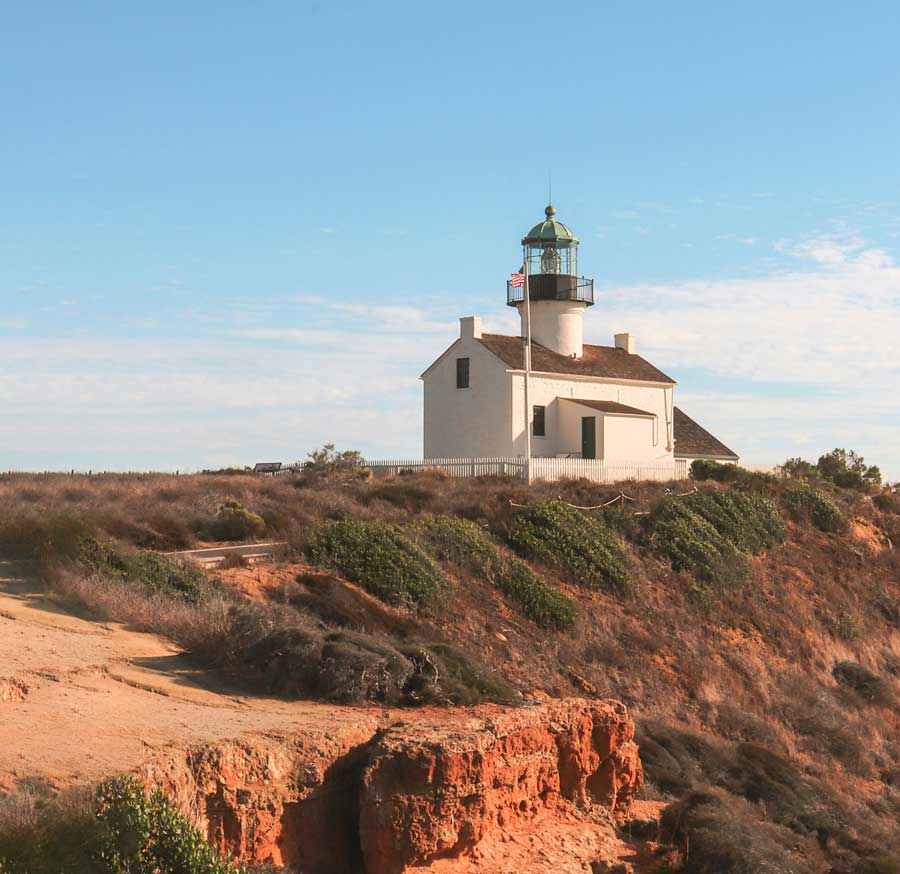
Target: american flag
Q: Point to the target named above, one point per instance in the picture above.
(517, 279)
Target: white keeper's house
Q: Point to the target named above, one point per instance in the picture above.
(585, 401)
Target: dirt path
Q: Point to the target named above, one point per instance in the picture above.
(81, 699)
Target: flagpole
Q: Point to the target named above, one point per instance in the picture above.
(527, 371)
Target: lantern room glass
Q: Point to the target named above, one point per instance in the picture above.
(557, 257)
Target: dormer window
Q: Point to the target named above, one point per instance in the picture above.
(462, 372)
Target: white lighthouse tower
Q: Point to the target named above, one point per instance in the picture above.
(557, 295)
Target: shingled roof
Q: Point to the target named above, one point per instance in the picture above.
(694, 441)
(609, 407)
(604, 361)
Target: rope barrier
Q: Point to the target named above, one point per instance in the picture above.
(620, 497)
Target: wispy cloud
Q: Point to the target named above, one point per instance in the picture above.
(828, 324)
(794, 362)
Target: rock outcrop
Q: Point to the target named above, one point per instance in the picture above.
(382, 800)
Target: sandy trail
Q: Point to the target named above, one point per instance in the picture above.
(82, 699)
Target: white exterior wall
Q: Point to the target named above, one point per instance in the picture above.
(630, 438)
(469, 422)
(564, 429)
(556, 324)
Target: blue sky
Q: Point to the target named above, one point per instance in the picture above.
(231, 232)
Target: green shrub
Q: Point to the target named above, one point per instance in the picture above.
(797, 468)
(118, 830)
(155, 573)
(463, 543)
(703, 469)
(538, 600)
(803, 501)
(383, 560)
(709, 533)
(146, 834)
(843, 625)
(693, 544)
(235, 522)
(459, 541)
(750, 521)
(574, 540)
(848, 470)
(327, 466)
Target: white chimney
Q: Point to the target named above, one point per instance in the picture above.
(625, 342)
(470, 328)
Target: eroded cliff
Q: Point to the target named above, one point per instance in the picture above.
(435, 786)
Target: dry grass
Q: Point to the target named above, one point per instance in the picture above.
(754, 665)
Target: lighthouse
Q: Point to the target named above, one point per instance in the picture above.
(496, 396)
(557, 295)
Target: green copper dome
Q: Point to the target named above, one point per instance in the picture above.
(550, 231)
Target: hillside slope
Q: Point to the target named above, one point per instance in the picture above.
(762, 672)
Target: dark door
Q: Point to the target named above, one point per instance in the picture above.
(589, 437)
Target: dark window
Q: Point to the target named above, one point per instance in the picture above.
(462, 372)
(539, 425)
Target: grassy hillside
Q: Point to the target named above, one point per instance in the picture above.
(752, 626)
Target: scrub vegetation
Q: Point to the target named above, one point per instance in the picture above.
(749, 624)
(710, 533)
(577, 542)
(116, 828)
(804, 502)
(383, 560)
(470, 549)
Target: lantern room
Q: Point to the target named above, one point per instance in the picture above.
(551, 256)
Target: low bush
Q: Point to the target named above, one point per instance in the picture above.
(805, 502)
(457, 678)
(151, 571)
(295, 657)
(576, 542)
(382, 559)
(868, 685)
(709, 533)
(822, 724)
(889, 504)
(467, 546)
(721, 834)
(235, 522)
(843, 624)
(329, 467)
(703, 469)
(459, 541)
(414, 493)
(693, 544)
(750, 521)
(117, 829)
(681, 761)
(535, 597)
(43, 537)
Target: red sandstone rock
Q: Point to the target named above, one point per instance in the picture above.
(436, 789)
(431, 786)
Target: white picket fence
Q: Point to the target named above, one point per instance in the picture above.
(551, 469)
(458, 467)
